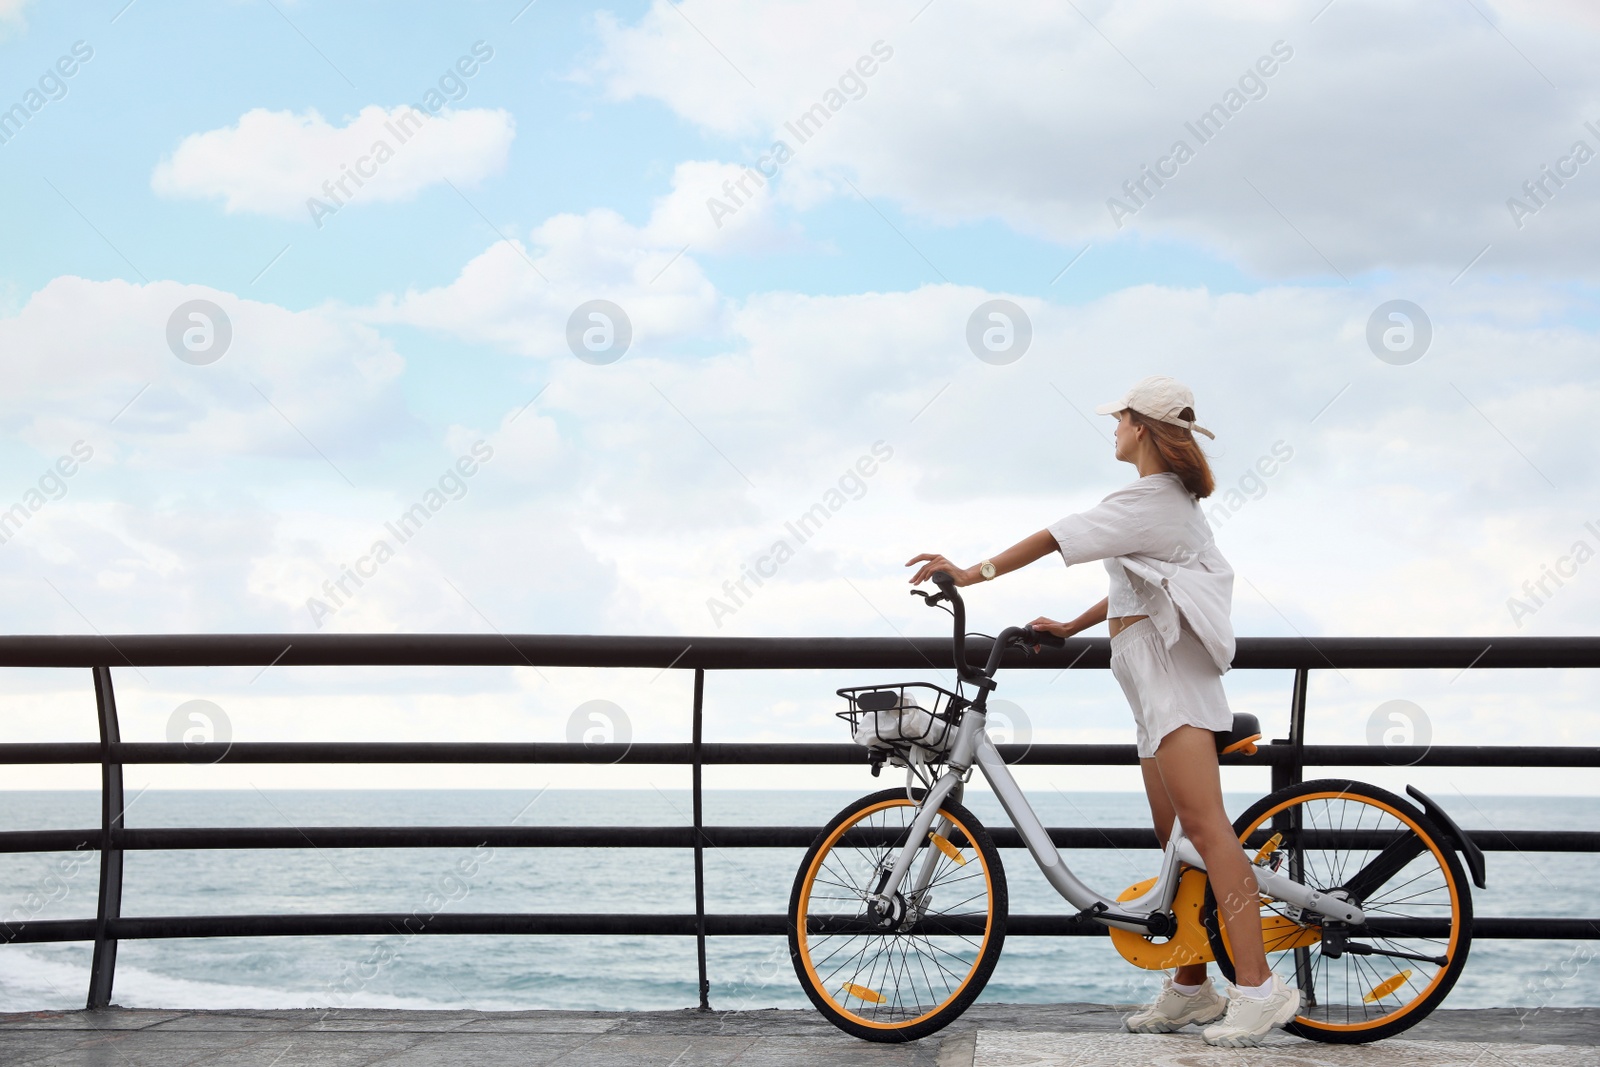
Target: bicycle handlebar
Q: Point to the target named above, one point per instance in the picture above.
(958, 608)
(1026, 636)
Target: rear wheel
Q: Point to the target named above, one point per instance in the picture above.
(907, 974)
(1358, 983)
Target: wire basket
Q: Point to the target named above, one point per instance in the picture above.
(892, 719)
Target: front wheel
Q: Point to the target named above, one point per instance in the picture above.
(1358, 983)
(903, 975)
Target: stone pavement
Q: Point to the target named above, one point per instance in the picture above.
(989, 1035)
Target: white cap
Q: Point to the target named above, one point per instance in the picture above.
(1160, 398)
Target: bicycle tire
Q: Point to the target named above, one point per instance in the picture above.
(1451, 907)
(890, 963)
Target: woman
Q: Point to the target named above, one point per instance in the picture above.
(1171, 641)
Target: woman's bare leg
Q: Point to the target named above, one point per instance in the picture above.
(1186, 761)
(1161, 812)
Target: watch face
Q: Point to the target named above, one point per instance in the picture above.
(988, 570)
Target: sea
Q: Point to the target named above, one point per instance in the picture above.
(492, 973)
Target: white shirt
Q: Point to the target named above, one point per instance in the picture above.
(1123, 598)
(1154, 533)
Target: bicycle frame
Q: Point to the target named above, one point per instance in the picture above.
(1147, 913)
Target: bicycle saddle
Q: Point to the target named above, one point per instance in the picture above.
(1242, 737)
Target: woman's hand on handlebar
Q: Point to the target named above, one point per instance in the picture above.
(1050, 626)
(932, 561)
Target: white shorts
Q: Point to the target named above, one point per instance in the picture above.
(1167, 688)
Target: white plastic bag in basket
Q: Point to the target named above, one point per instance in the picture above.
(905, 720)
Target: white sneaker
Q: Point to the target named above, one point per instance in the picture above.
(1172, 1009)
(1248, 1019)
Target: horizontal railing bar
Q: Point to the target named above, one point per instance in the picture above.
(1443, 755)
(748, 653)
(466, 923)
(14, 841)
(45, 931)
(1074, 837)
(735, 754)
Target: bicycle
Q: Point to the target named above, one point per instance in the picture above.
(898, 912)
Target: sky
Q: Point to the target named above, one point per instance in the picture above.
(536, 318)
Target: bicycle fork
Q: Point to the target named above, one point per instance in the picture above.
(922, 830)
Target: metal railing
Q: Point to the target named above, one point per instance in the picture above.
(1287, 757)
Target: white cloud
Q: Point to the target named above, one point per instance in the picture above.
(274, 162)
(13, 17)
(717, 207)
(519, 297)
(190, 466)
(1393, 136)
(80, 353)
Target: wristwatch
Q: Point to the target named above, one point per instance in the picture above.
(986, 568)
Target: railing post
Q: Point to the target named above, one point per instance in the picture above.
(1293, 773)
(103, 969)
(699, 850)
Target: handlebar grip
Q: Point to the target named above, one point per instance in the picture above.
(1040, 637)
(942, 580)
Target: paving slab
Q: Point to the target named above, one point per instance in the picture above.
(1186, 1049)
(990, 1035)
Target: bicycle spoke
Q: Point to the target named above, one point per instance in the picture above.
(844, 947)
(951, 977)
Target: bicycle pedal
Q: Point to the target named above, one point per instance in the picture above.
(1093, 911)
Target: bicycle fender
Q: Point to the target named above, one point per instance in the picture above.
(1468, 848)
